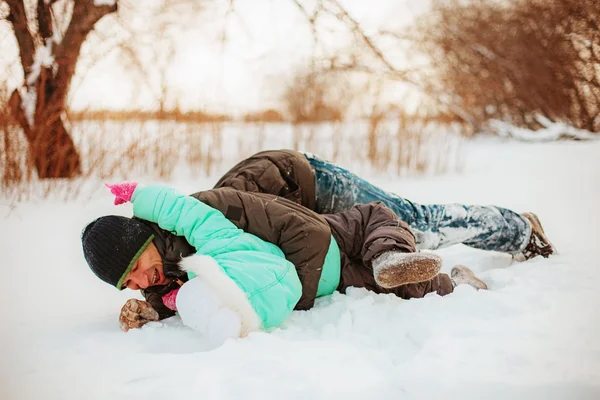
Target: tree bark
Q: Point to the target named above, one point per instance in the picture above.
(52, 148)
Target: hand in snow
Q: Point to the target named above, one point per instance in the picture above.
(123, 191)
(136, 313)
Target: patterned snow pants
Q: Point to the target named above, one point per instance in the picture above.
(434, 225)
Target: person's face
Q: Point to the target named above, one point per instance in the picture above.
(146, 271)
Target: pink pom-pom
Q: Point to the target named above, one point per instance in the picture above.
(123, 191)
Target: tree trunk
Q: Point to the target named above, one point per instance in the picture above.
(51, 148)
(40, 104)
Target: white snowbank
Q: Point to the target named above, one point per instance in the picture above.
(552, 131)
(534, 335)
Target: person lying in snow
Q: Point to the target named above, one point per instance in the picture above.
(233, 262)
(327, 188)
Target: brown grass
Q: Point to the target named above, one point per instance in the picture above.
(314, 96)
(269, 115)
(141, 115)
(157, 150)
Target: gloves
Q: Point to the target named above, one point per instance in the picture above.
(123, 191)
(202, 309)
(136, 313)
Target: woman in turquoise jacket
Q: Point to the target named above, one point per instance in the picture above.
(236, 271)
(268, 281)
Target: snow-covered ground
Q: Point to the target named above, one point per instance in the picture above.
(533, 335)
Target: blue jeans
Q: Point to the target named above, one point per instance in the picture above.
(434, 225)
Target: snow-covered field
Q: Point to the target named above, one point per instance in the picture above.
(534, 335)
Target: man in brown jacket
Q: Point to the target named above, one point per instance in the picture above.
(327, 188)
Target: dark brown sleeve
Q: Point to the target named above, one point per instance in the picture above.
(367, 230)
(258, 176)
(385, 231)
(239, 183)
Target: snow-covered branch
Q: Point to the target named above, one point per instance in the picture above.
(43, 58)
(105, 2)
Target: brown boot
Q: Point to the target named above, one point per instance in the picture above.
(463, 275)
(393, 268)
(538, 245)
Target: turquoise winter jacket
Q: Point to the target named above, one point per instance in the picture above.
(259, 268)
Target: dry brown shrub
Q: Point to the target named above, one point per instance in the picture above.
(269, 115)
(116, 150)
(405, 143)
(517, 59)
(177, 115)
(315, 96)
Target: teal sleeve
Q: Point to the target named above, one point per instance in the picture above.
(204, 227)
(259, 268)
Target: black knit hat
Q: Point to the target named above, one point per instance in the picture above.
(112, 244)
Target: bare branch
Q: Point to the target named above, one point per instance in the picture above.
(312, 21)
(44, 19)
(396, 35)
(18, 19)
(344, 16)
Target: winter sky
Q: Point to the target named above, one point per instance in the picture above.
(268, 40)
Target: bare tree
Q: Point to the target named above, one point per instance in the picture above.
(48, 59)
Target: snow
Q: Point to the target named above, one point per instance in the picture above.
(551, 131)
(28, 102)
(42, 58)
(202, 309)
(533, 335)
(99, 3)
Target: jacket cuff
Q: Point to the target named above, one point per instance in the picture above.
(232, 296)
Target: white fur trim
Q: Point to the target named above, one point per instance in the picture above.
(207, 268)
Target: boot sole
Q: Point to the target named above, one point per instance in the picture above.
(413, 268)
(537, 226)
